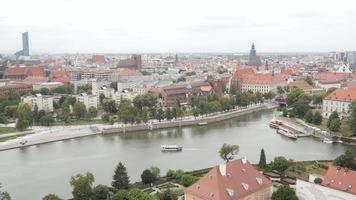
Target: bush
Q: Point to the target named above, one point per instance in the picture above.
(147, 176)
(188, 180)
(280, 164)
(318, 180)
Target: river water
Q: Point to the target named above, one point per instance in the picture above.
(33, 172)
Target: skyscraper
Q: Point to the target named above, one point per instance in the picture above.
(25, 46)
(254, 60)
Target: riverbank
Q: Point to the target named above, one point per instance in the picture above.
(190, 121)
(58, 133)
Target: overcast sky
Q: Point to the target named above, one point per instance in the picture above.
(126, 26)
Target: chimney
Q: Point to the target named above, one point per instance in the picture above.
(222, 169)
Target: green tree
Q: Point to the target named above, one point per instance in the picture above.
(280, 164)
(79, 110)
(133, 194)
(61, 90)
(262, 164)
(280, 90)
(195, 111)
(92, 112)
(65, 114)
(317, 99)
(24, 116)
(120, 179)
(167, 195)
(352, 117)
(51, 197)
(347, 160)
(101, 192)
(114, 85)
(284, 193)
(335, 124)
(145, 114)
(160, 114)
(147, 176)
(145, 100)
(227, 152)
(293, 96)
(168, 114)
(308, 117)
(126, 112)
(109, 105)
(317, 118)
(46, 120)
(4, 195)
(155, 171)
(187, 180)
(82, 186)
(333, 115)
(309, 80)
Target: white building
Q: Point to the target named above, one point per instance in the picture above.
(339, 101)
(88, 100)
(48, 85)
(42, 102)
(262, 83)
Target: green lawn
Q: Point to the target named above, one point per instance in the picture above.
(7, 130)
(7, 138)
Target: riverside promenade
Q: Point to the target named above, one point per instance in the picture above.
(58, 133)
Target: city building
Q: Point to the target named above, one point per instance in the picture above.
(48, 85)
(339, 101)
(43, 102)
(183, 93)
(20, 73)
(88, 100)
(301, 84)
(20, 88)
(339, 183)
(237, 180)
(134, 62)
(25, 46)
(253, 59)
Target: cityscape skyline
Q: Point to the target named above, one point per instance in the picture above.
(181, 26)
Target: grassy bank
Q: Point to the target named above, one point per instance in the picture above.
(7, 130)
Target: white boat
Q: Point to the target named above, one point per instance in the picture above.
(328, 141)
(171, 148)
(202, 123)
(287, 133)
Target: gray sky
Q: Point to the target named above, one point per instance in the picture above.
(125, 26)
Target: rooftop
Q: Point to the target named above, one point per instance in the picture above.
(341, 179)
(233, 180)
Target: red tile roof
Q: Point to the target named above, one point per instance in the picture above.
(239, 180)
(24, 71)
(98, 59)
(262, 79)
(243, 72)
(346, 94)
(35, 79)
(332, 77)
(340, 179)
(300, 84)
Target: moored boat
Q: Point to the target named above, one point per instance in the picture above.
(328, 141)
(273, 125)
(287, 133)
(202, 123)
(171, 148)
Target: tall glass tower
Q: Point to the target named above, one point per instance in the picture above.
(25, 46)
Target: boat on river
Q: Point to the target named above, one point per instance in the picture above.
(273, 125)
(202, 123)
(287, 133)
(171, 148)
(328, 141)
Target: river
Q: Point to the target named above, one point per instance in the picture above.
(33, 172)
